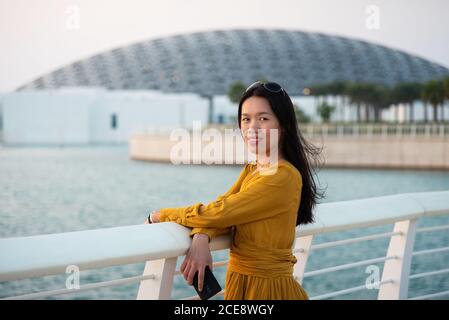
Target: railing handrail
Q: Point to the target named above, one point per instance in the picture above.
(33, 256)
(50, 254)
(366, 212)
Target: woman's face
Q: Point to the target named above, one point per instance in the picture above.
(259, 126)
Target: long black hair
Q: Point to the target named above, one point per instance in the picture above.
(293, 146)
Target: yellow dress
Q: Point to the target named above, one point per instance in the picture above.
(261, 210)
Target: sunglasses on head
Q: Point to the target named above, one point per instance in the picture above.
(269, 86)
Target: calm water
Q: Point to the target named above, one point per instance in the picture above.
(52, 190)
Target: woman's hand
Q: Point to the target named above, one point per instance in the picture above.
(154, 216)
(197, 259)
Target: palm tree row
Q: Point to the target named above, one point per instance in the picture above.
(373, 98)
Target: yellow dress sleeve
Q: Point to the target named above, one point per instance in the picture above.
(215, 232)
(264, 197)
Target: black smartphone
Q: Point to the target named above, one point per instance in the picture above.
(210, 286)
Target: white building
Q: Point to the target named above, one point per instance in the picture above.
(94, 115)
(82, 115)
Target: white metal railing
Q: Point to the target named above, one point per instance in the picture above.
(384, 130)
(378, 130)
(160, 245)
(353, 130)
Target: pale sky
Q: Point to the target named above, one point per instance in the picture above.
(39, 36)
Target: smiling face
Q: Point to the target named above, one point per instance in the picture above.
(258, 124)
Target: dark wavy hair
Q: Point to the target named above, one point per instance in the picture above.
(293, 146)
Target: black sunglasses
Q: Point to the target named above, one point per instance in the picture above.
(270, 86)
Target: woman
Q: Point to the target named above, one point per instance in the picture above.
(262, 208)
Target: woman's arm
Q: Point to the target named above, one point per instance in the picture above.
(210, 232)
(265, 197)
(214, 232)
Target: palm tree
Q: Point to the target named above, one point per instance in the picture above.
(367, 95)
(318, 91)
(446, 92)
(434, 94)
(325, 111)
(381, 99)
(397, 96)
(235, 91)
(355, 95)
(407, 93)
(338, 89)
(301, 116)
(375, 97)
(424, 100)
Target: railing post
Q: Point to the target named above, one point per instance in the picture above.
(398, 269)
(369, 129)
(160, 287)
(399, 131)
(427, 130)
(384, 131)
(303, 244)
(310, 131)
(340, 130)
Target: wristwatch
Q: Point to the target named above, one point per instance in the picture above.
(150, 220)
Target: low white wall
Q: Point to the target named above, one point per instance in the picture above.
(350, 152)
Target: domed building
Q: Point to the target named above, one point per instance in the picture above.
(207, 63)
(176, 81)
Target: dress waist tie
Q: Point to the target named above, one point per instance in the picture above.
(263, 262)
